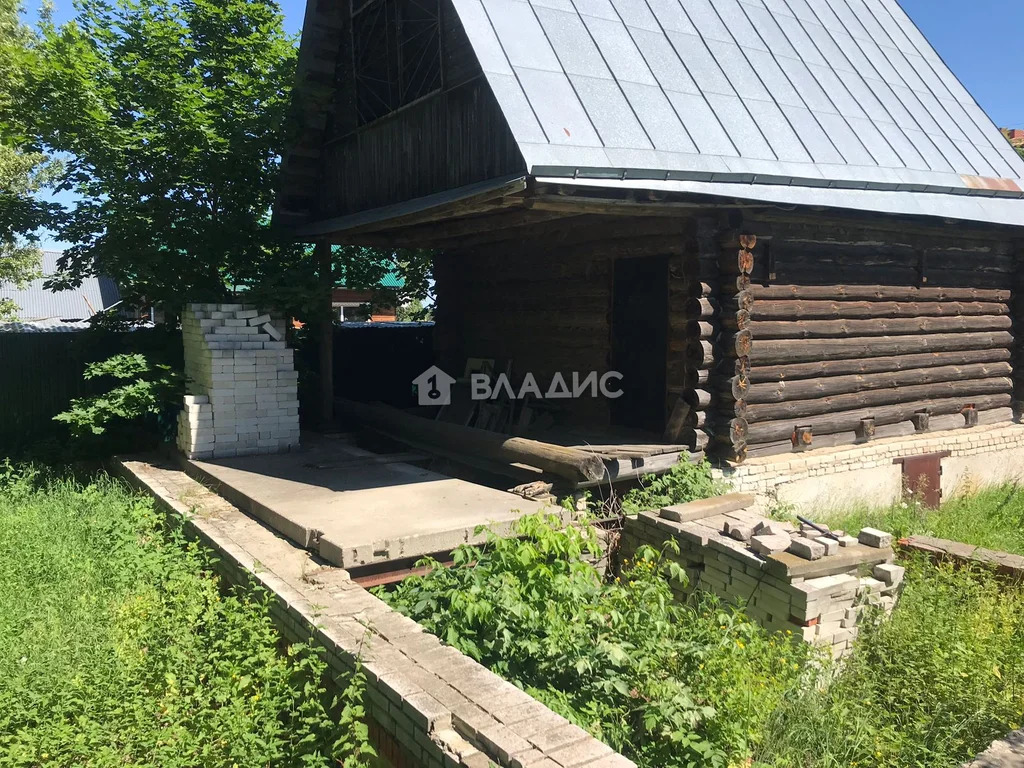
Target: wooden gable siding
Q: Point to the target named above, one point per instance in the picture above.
(445, 140)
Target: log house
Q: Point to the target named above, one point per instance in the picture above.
(788, 225)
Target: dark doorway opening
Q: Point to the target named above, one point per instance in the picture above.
(640, 341)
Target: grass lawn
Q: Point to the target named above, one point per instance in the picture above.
(117, 647)
(992, 517)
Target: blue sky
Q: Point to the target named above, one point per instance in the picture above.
(979, 40)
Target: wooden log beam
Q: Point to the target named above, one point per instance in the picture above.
(848, 421)
(768, 351)
(827, 329)
(804, 409)
(807, 389)
(826, 368)
(785, 309)
(570, 463)
(877, 293)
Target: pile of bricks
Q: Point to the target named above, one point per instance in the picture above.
(789, 578)
(242, 383)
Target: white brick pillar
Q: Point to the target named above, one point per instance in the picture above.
(243, 388)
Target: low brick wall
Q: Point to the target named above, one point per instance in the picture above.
(826, 478)
(818, 600)
(427, 704)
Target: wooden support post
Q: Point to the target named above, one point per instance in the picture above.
(866, 430)
(325, 342)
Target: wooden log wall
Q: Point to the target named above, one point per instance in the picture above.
(852, 330)
(542, 299)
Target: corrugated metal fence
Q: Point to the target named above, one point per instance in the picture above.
(40, 373)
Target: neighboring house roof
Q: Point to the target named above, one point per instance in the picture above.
(843, 94)
(37, 303)
(767, 100)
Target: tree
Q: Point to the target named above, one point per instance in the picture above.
(172, 114)
(22, 174)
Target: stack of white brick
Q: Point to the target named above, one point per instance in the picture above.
(242, 381)
(808, 585)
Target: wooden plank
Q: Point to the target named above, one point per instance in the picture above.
(702, 508)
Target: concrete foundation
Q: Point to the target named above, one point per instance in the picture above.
(342, 502)
(828, 479)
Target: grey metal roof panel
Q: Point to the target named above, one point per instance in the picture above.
(772, 89)
(35, 302)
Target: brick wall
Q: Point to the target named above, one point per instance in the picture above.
(243, 388)
(427, 704)
(824, 478)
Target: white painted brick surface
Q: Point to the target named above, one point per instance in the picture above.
(243, 397)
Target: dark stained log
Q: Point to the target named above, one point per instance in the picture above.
(805, 389)
(847, 421)
(820, 274)
(701, 307)
(739, 344)
(823, 368)
(700, 354)
(700, 330)
(767, 351)
(699, 399)
(804, 409)
(824, 329)
(876, 293)
(570, 463)
(780, 309)
(698, 288)
(737, 321)
(739, 262)
(737, 387)
(738, 301)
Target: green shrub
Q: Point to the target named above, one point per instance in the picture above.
(928, 688)
(685, 482)
(118, 648)
(667, 684)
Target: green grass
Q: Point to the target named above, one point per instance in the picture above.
(992, 517)
(117, 646)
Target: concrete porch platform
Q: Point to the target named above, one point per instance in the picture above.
(355, 508)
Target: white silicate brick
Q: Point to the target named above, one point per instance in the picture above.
(243, 397)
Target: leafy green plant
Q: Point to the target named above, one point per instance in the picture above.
(150, 388)
(118, 647)
(667, 684)
(686, 481)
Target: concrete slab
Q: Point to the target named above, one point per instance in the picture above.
(352, 513)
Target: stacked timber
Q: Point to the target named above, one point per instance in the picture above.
(846, 359)
(702, 334)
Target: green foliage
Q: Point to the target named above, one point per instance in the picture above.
(22, 174)
(929, 688)
(117, 647)
(172, 116)
(992, 517)
(150, 388)
(667, 684)
(684, 482)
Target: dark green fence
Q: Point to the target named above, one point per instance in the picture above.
(41, 373)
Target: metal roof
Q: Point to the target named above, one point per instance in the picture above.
(37, 303)
(844, 97)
